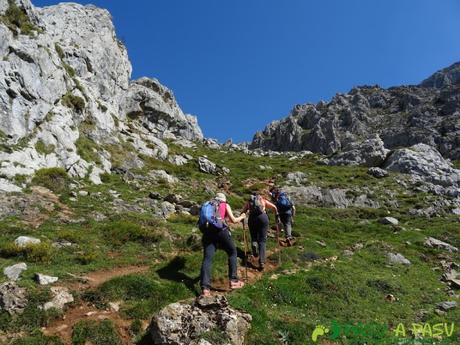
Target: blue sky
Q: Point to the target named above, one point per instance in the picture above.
(240, 64)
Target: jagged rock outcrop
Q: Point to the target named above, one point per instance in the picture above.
(184, 323)
(65, 88)
(370, 153)
(401, 116)
(324, 197)
(424, 161)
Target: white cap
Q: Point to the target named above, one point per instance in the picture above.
(221, 197)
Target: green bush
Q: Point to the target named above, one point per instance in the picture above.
(44, 149)
(87, 149)
(73, 102)
(16, 20)
(40, 252)
(121, 231)
(55, 179)
(38, 339)
(102, 333)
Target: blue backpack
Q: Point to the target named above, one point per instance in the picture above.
(210, 216)
(283, 203)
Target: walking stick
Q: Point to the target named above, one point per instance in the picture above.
(245, 251)
(278, 239)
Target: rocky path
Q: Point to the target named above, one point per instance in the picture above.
(84, 311)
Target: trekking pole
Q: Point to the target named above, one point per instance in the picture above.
(278, 240)
(245, 251)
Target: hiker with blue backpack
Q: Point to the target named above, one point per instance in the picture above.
(286, 210)
(216, 235)
(258, 223)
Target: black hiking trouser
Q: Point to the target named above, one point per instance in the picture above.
(214, 239)
(286, 222)
(258, 227)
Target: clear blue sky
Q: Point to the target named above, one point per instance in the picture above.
(240, 64)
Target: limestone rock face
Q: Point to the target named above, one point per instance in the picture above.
(370, 152)
(156, 107)
(68, 81)
(182, 323)
(401, 116)
(426, 162)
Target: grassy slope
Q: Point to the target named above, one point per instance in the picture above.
(285, 310)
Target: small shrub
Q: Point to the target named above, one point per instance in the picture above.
(55, 179)
(59, 51)
(136, 327)
(101, 333)
(73, 102)
(120, 232)
(16, 19)
(87, 149)
(38, 338)
(44, 149)
(41, 252)
(87, 257)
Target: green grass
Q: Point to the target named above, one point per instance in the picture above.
(87, 149)
(41, 252)
(44, 149)
(96, 333)
(73, 102)
(284, 309)
(55, 179)
(456, 164)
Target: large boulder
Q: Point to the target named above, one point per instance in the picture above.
(426, 162)
(185, 323)
(370, 153)
(13, 272)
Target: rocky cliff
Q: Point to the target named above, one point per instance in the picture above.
(402, 116)
(66, 94)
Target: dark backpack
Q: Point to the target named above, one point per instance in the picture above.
(210, 217)
(283, 204)
(256, 206)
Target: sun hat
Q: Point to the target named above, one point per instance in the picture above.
(221, 197)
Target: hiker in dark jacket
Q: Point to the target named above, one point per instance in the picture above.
(220, 238)
(258, 223)
(286, 210)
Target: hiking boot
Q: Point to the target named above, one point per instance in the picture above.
(236, 284)
(289, 241)
(205, 293)
(261, 267)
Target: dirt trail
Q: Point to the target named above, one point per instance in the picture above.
(84, 311)
(63, 327)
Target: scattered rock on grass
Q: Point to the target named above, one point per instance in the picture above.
(389, 221)
(445, 306)
(435, 243)
(377, 172)
(14, 272)
(23, 241)
(61, 297)
(12, 298)
(43, 279)
(397, 259)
